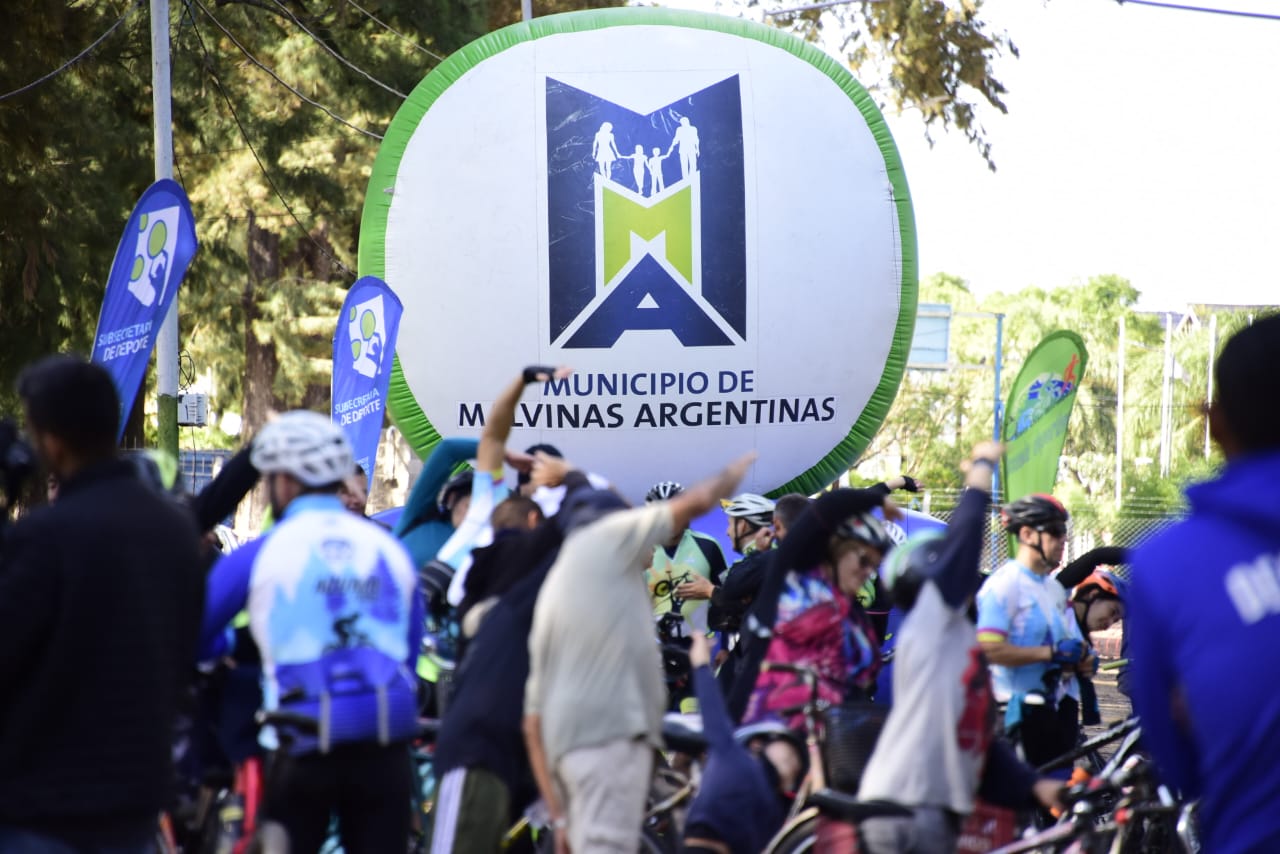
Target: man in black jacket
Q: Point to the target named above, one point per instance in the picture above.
(100, 602)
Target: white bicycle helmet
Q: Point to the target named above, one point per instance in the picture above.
(756, 509)
(307, 446)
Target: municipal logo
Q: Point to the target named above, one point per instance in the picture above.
(152, 256)
(365, 328)
(646, 217)
(1045, 390)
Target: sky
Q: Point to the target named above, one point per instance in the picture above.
(1139, 141)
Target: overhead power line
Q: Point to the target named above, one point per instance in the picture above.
(329, 49)
(411, 42)
(280, 80)
(1237, 13)
(217, 82)
(75, 59)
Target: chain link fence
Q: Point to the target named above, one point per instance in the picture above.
(1135, 524)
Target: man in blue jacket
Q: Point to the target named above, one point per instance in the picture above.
(1204, 620)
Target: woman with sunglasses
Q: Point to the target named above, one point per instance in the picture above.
(808, 610)
(1030, 636)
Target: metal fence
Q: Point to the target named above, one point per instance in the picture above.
(1134, 525)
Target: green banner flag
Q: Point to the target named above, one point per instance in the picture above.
(1038, 411)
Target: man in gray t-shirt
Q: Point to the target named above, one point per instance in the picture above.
(595, 694)
(938, 748)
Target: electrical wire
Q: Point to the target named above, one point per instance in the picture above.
(1237, 13)
(253, 59)
(412, 43)
(365, 74)
(75, 59)
(217, 82)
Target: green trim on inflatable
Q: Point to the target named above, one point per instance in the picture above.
(404, 408)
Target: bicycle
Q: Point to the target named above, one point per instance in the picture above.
(1123, 809)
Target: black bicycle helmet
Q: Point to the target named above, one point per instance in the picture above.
(1033, 511)
(663, 491)
(910, 564)
(454, 488)
(868, 529)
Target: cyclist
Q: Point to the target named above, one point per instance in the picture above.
(750, 532)
(1098, 601)
(335, 612)
(684, 569)
(1204, 615)
(807, 612)
(1029, 635)
(938, 747)
(594, 698)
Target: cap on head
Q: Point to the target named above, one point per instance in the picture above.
(305, 445)
(1033, 511)
(663, 491)
(541, 448)
(756, 509)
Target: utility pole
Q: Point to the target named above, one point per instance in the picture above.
(1208, 394)
(167, 340)
(1120, 417)
(526, 10)
(1166, 399)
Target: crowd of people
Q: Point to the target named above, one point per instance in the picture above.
(550, 625)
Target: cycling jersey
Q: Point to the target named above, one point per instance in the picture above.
(1024, 608)
(695, 555)
(335, 611)
(820, 628)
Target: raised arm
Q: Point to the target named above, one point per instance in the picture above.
(705, 495)
(421, 505)
(1082, 567)
(219, 499)
(502, 415)
(959, 576)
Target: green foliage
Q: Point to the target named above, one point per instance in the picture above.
(938, 416)
(928, 54)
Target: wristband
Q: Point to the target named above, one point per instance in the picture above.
(909, 484)
(530, 374)
(983, 461)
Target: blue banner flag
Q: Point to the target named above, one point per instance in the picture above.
(363, 346)
(158, 243)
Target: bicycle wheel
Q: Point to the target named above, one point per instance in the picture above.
(799, 836)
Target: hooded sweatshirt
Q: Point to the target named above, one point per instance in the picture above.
(1204, 618)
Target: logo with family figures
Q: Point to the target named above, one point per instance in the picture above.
(153, 254)
(646, 218)
(365, 327)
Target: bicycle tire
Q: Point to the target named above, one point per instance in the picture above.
(799, 836)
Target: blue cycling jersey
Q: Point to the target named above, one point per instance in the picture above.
(335, 610)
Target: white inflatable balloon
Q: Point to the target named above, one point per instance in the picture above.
(706, 218)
